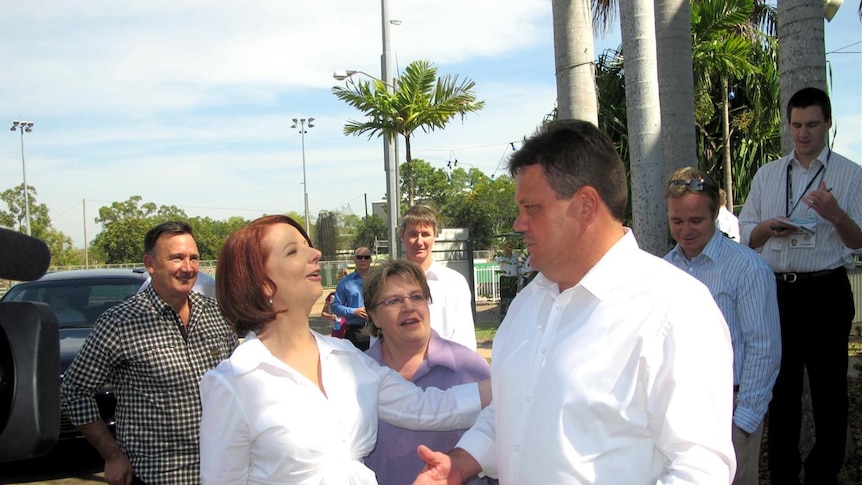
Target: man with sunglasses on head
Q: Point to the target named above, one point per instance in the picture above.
(743, 286)
(348, 302)
(803, 215)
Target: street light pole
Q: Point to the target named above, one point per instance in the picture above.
(390, 160)
(302, 124)
(24, 126)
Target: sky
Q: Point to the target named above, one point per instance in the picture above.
(190, 103)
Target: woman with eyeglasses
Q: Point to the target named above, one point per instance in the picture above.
(291, 406)
(396, 295)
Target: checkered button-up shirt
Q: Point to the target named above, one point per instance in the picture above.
(139, 348)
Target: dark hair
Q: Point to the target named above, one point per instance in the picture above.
(418, 214)
(375, 280)
(170, 227)
(574, 154)
(710, 187)
(809, 96)
(241, 275)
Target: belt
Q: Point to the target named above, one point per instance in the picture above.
(794, 277)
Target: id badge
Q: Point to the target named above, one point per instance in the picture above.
(801, 239)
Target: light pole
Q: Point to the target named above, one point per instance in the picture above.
(302, 124)
(24, 126)
(390, 159)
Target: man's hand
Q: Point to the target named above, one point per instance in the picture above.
(361, 313)
(446, 469)
(775, 227)
(824, 204)
(118, 470)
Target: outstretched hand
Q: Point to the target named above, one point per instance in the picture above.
(438, 468)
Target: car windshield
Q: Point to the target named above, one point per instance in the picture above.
(77, 303)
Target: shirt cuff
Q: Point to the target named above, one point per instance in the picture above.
(482, 449)
(746, 420)
(469, 403)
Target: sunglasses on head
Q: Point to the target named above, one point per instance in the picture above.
(696, 185)
(363, 256)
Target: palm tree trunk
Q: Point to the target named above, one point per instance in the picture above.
(801, 53)
(408, 171)
(675, 84)
(725, 133)
(573, 59)
(644, 125)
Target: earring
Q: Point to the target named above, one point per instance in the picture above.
(270, 302)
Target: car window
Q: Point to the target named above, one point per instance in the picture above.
(76, 303)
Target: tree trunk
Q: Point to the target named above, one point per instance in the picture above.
(675, 84)
(408, 171)
(644, 125)
(801, 53)
(725, 133)
(574, 56)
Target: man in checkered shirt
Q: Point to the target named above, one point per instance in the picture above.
(153, 348)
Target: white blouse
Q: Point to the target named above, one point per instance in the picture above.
(263, 422)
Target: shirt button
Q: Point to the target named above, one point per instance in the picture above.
(529, 399)
(517, 448)
(544, 350)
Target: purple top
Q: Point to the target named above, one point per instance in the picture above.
(448, 364)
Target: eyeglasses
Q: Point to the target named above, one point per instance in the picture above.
(696, 185)
(363, 256)
(396, 301)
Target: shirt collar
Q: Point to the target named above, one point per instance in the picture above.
(430, 273)
(822, 157)
(252, 354)
(710, 251)
(603, 277)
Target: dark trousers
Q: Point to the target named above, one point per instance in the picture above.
(816, 315)
(358, 336)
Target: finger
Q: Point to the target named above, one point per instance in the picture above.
(426, 454)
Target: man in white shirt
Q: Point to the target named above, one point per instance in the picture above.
(611, 366)
(803, 215)
(726, 221)
(452, 301)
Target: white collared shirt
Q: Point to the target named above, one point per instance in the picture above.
(263, 422)
(768, 199)
(624, 378)
(452, 305)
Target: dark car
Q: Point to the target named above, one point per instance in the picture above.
(78, 298)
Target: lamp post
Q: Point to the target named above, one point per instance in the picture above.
(24, 126)
(303, 123)
(390, 159)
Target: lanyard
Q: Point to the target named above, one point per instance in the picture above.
(788, 210)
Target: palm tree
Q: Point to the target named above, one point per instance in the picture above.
(675, 83)
(573, 59)
(420, 100)
(725, 35)
(801, 51)
(644, 125)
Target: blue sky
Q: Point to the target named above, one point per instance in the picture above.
(189, 103)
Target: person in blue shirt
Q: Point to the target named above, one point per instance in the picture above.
(348, 302)
(743, 286)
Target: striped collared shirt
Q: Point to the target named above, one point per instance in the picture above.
(768, 198)
(743, 286)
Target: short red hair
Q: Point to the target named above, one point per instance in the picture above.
(241, 275)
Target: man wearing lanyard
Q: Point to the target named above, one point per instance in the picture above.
(803, 215)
